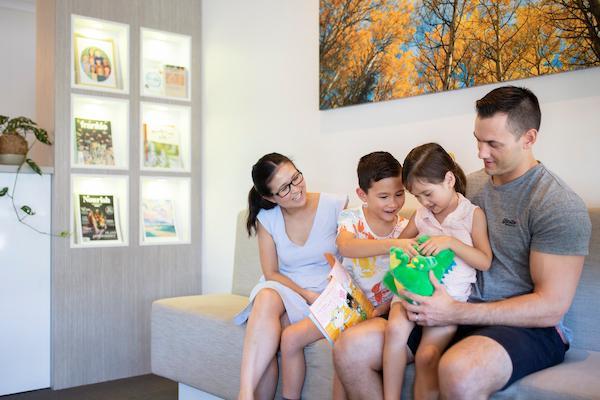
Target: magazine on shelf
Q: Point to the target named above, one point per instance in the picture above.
(154, 78)
(158, 216)
(93, 142)
(175, 80)
(341, 305)
(97, 218)
(161, 146)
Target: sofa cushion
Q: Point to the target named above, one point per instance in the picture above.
(582, 317)
(246, 262)
(194, 341)
(575, 378)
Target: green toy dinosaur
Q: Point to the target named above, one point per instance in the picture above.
(413, 274)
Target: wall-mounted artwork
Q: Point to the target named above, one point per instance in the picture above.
(374, 50)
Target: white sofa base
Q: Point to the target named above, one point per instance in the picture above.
(189, 393)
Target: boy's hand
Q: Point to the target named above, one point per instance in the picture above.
(407, 245)
(435, 244)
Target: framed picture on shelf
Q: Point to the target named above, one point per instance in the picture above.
(95, 63)
(158, 219)
(97, 219)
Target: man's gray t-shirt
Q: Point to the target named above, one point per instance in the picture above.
(536, 211)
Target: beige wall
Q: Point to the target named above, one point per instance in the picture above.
(260, 88)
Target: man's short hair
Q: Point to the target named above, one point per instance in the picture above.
(520, 104)
(376, 166)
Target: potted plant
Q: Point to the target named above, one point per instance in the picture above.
(13, 140)
(14, 149)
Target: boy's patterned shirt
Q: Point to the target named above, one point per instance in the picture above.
(368, 272)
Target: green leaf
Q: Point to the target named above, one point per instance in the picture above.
(22, 121)
(27, 210)
(3, 191)
(33, 166)
(3, 119)
(41, 135)
(64, 234)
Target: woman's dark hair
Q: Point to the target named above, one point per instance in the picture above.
(430, 162)
(262, 173)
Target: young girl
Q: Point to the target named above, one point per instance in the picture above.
(295, 228)
(452, 222)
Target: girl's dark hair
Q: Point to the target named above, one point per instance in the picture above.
(430, 162)
(262, 173)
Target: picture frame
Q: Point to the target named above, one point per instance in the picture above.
(102, 71)
(159, 222)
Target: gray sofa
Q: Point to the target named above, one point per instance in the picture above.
(194, 341)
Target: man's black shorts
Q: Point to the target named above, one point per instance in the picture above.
(530, 349)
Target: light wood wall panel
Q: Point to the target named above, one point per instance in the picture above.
(101, 297)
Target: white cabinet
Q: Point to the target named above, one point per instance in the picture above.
(25, 287)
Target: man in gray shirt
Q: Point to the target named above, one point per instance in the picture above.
(539, 230)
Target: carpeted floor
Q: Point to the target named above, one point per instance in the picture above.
(145, 387)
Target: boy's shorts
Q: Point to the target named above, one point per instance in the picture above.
(529, 349)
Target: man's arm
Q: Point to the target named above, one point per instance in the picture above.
(555, 279)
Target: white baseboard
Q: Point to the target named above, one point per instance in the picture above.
(189, 393)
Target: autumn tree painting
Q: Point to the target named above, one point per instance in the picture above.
(373, 50)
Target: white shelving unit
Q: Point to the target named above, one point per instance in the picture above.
(165, 210)
(104, 289)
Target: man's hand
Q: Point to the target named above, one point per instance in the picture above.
(435, 244)
(435, 310)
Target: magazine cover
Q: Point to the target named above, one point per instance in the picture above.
(97, 218)
(175, 81)
(161, 146)
(93, 142)
(158, 220)
(153, 78)
(341, 305)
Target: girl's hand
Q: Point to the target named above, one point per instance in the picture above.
(435, 244)
(310, 296)
(407, 245)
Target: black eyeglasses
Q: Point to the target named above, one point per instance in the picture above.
(286, 189)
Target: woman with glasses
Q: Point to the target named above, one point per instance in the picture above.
(294, 228)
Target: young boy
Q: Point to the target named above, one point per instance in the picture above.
(366, 233)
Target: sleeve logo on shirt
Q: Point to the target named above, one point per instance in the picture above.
(509, 222)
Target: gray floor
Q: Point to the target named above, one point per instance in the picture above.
(145, 387)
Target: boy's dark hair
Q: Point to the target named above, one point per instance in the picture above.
(520, 104)
(430, 163)
(376, 166)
